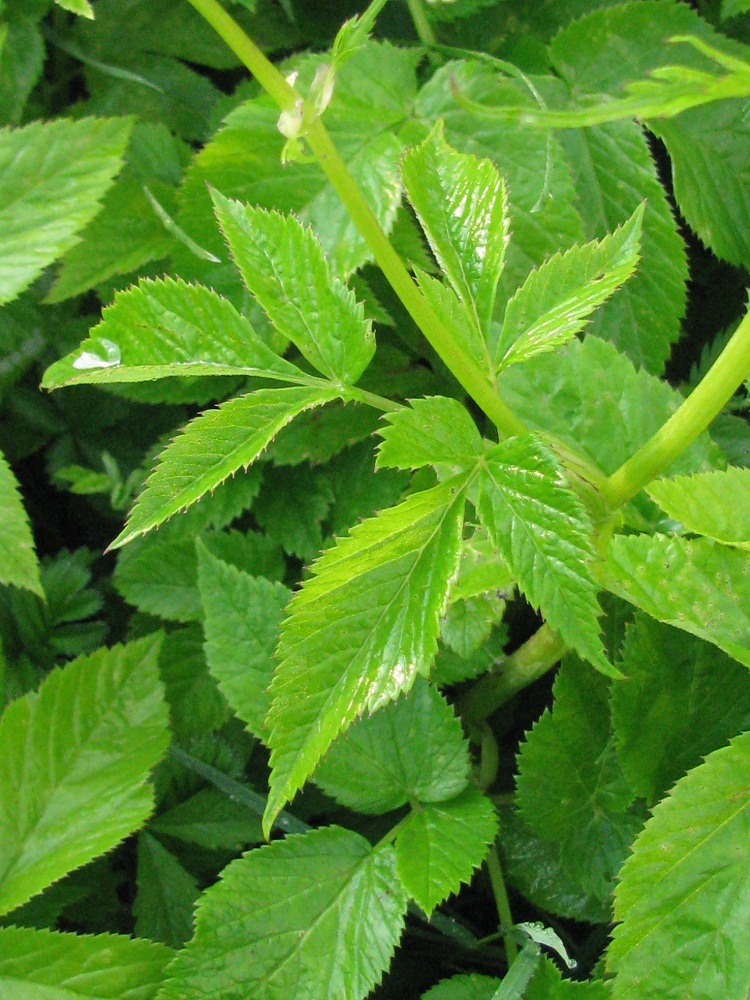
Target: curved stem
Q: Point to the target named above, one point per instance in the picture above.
(704, 403)
(471, 376)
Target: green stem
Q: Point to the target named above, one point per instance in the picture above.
(465, 369)
(422, 25)
(356, 395)
(529, 662)
(500, 893)
(704, 403)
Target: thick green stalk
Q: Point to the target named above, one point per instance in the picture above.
(422, 25)
(704, 403)
(466, 370)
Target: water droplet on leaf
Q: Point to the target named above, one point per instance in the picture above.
(105, 355)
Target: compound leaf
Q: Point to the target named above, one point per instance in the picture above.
(242, 618)
(441, 845)
(52, 177)
(716, 504)
(555, 301)
(361, 629)
(329, 935)
(462, 203)
(544, 534)
(213, 447)
(39, 964)
(683, 899)
(158, 329)
(283, 265)
(411, 750)
(435, 430)
(708, 592)
(74, 761)
(18, 562)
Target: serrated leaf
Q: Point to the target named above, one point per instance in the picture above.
(715, 504)
(242, 618)
(544, 534)
(163, 328)
(683, 900)
(74, 760)
(411, 750)
(163, 905)
(283, 265)
(449, 308)
(212, 820)
(555, 301)
(196, 706)
(361, 629)
(683, 698)
(213, 447)
(548, 984)
(708, 591)
(613, 173)
(441, 845)
(468, 623)
(329, 936)
(435, 430)
(582, 801)
(53, 177)
(472, 987)
(18, 562)
(291, 510)
(358, 489)
(81, 7)
(39, 964)
(462, 204)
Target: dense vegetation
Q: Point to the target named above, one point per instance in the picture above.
(419, 338)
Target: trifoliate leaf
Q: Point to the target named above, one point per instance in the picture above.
(544, 535)
(435, 430)
(242, 618)
(716, 504)
(212, 820)
(361, 629)
(213, 447)
(163, 328)
(683, 900)
(411, 750)
(555, 301)
(74, 761)
(696, 585)
(47, 194)
(36, 964)
(328, 936)
(163, 905)
(283, 265)
(442, 844)
(18, 562)
(462, 203)
(683, 698)
(582, 800)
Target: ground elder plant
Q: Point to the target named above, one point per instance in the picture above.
(375, 582)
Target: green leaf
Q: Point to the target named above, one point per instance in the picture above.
(212, 820)
(41, 964)
(544, 534)
(716, 504)
(213, 447)
(242, 618)
(358, 490)
(468, 623)
(361, 629)
(582, 800)
(292, 509)
(53, 175)
(163, 905)
(373, 96)
(21, 62)
(158, 329)
(411, 750)
(683, 900)
(329, 936)
(555, 301)
(283, 265)
(451, 311)
(709, 586)
(18, 562)
(462, 203)
(81, 7)
(733, 8)
(472, 987)
(442, 844)
(613, 173)
(196, 706)
(74, 761)
(683, 698)
(548, 984)
(435, 430)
